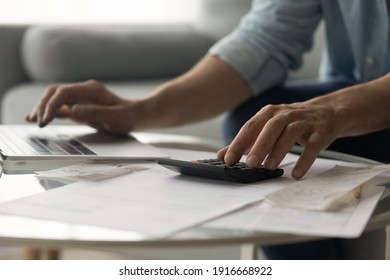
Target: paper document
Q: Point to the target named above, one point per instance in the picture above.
(155, 203)
(328, 191)
(346, 223)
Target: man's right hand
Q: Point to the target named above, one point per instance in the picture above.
(88, 102)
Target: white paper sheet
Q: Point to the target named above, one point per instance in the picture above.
(155, 202)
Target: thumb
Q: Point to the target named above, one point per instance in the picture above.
(89, 113)
(102, 118)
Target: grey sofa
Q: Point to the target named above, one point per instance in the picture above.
(130, 60)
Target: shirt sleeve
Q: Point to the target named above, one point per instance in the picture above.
(270, 40)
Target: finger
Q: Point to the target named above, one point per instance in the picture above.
(266, 140)
(89, 113)
(289, 137)
(68, 95)
(52, 106)
(248, 134)
(29, 118)
(244, 139)
(221, 153)
(63, 112)
(103, 118)
(307, 158)
(37, 112)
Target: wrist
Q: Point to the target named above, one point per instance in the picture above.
(137, 113)
(353, 108)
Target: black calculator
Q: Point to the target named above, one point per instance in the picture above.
(218, 169)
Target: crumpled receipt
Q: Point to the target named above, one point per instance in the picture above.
(89, 171)
(328, 191)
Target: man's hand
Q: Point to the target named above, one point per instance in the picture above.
(271, 133)
(314, 124)
(88, 102)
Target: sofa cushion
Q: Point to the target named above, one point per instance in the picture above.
(71, 53)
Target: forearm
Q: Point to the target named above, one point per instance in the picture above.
(362, 108)
(209, 89)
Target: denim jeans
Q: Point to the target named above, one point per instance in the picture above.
(374, 146)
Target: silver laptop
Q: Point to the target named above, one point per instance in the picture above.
(26, 148)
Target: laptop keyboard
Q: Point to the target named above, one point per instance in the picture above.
(41, 145)
(58, 147)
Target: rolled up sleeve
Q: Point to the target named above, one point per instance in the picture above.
(270, 40)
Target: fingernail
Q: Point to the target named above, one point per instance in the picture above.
(230, 157)
(297, 173)
(43, 120)
(253, 161)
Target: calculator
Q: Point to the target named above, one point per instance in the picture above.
(218, 169)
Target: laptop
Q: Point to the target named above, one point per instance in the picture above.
(28, 148)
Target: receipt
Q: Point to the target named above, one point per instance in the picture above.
(89, 171)
(328, 191)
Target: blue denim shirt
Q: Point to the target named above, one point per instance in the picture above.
(272, 37)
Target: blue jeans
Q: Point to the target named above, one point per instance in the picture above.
(374, 146)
